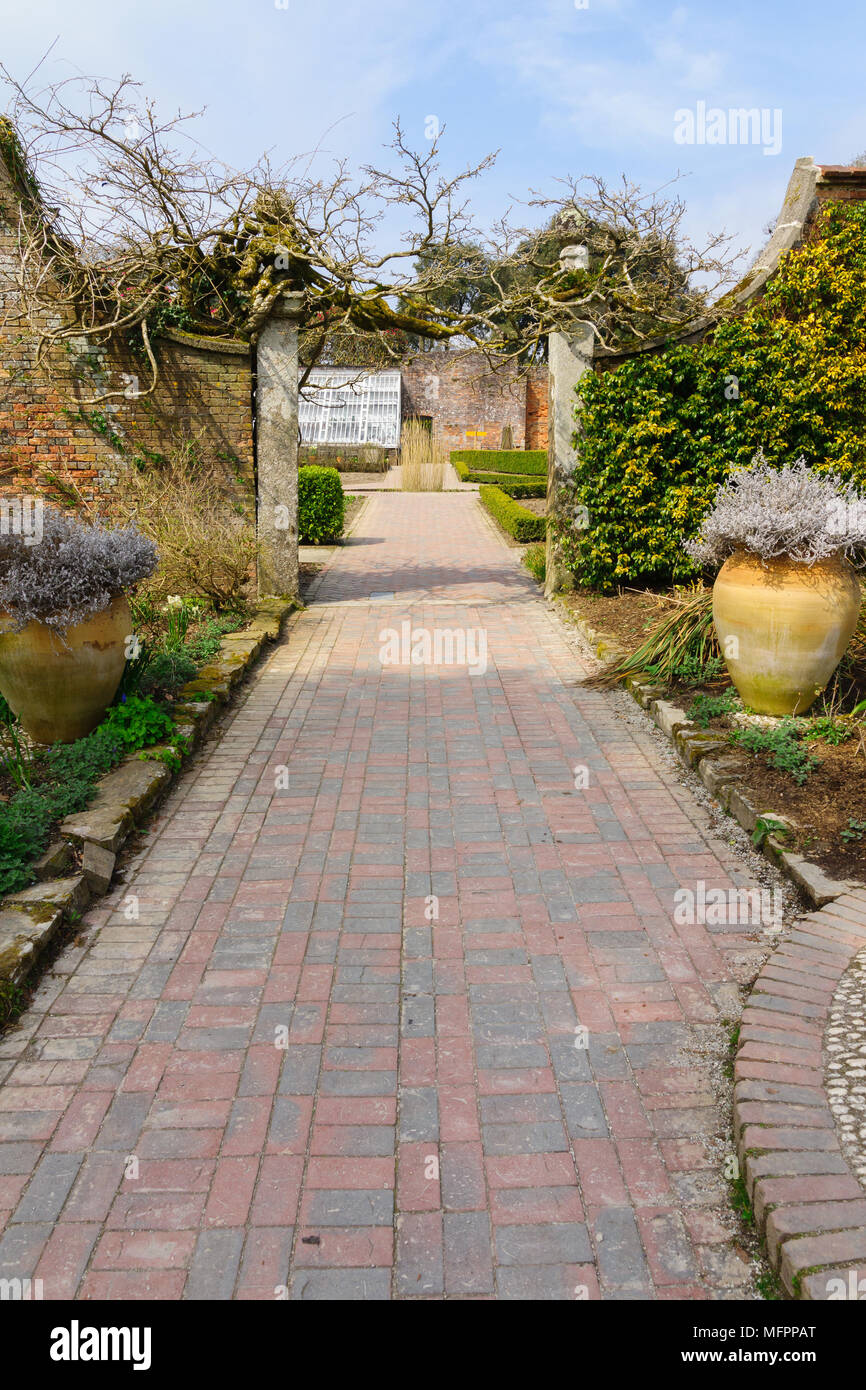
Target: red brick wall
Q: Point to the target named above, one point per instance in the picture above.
(48, 426)
(841, 183)
(536, 409)
(463, 396)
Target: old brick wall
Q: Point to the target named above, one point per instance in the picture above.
(536, 408)
(51, 429)
(470, 404)
(840, 183)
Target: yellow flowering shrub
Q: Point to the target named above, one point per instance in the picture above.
(657, 435)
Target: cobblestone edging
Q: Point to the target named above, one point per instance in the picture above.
(807, 1201)
(30, 918)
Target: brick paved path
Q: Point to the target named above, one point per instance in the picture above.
(238, 1089)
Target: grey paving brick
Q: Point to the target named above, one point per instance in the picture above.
(49, 1187)
(419, 1114)
(467, 1246)
(123, 1123)
(565, 1242)
(300, 1069)
(350, 1208)
(358, 1083)
(419, 1265)
(20, 1248)
(342, 1285)
(524, 1138)
(621, 1261)
(214, 1266)
(584, 1113)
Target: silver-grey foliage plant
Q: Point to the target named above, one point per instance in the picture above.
(792, 511)
(72, 573)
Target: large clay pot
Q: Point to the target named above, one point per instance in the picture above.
(60, 685)
(783, 627)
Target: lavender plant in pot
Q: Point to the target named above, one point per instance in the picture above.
(787, 598)
(65, 621)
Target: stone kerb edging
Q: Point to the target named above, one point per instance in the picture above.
(30, 918)
(808, 1205)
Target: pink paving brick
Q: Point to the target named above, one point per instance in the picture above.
(429, 1059)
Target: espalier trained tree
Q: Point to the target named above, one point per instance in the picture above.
(125, 224)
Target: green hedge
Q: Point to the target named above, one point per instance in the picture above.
(527, 484)
(521, 488)
(662, 431)
(321, 505)
(530, 462)
(516, 520)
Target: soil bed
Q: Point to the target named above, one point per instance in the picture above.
(833, 795)
(626, 616)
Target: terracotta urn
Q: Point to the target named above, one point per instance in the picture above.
(60, 684)
(783, 626)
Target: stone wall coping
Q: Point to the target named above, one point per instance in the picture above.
(237, 347)
(798, 206)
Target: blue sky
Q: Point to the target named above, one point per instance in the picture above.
(557, 88)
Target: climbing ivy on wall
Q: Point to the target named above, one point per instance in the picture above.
(658, 434)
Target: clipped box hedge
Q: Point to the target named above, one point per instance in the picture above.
(321, 505)
(529, 484)
(529, 462)
(523, 525)
(523, 487)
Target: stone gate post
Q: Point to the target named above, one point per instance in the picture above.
(277, 447)
(569, 356)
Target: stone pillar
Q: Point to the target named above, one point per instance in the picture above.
(569, 356)
(277, 448)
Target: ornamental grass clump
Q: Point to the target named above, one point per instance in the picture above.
(73, 572)
(791, 511)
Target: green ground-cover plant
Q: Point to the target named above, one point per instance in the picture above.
(782, 748)
(706, 707)
(768, 824)
(321, 505)
(63, 780)
(832, 731)
(660, 433)
(172, 641)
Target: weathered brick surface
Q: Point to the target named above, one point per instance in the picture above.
(49, 427)
(341, 1052)
(469, 404)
